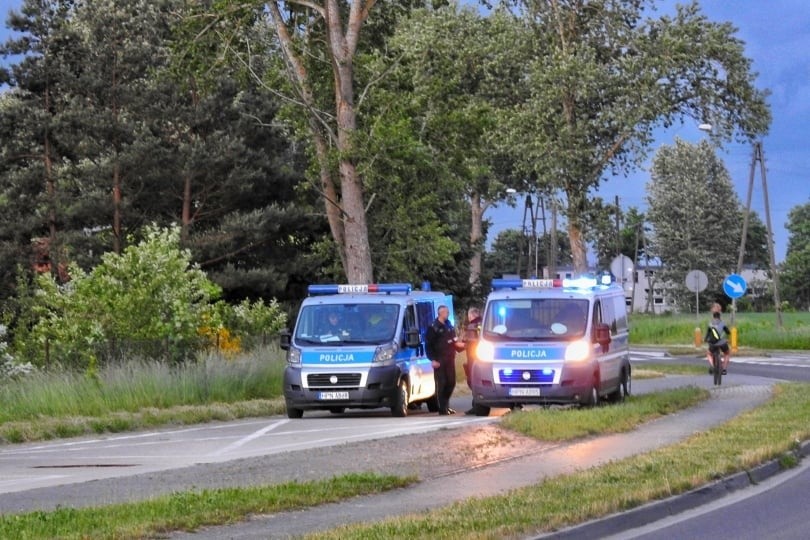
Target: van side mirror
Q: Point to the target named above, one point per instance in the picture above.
(284, 340)
(412, 338)
(603, 336)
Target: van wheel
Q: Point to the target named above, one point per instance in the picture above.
(592, 400)
(623, 390)
(480, 410)
(400, 406)
(292, 412)
(627, 382)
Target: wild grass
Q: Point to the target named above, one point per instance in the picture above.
(187, 511)
(139, 394)
(766, 432)
(756, 331)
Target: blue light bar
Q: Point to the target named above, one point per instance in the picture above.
(526, 283)
(387, 288)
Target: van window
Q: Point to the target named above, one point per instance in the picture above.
(620, 311)
(358, 323)
(608, 314)
(536, 319)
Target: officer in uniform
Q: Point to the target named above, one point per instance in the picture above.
(442, 344)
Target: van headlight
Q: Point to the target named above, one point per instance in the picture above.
(294, 357)
(384, 355)
(578, 351)
(485, 351)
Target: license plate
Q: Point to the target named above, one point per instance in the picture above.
(333, 395)
(524, 392)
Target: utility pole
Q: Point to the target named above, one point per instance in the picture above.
(758, 157)
(552, 262)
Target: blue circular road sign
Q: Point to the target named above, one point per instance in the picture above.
(734, 286)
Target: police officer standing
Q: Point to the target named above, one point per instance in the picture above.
(442, 345)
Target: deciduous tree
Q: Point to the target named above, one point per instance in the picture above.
(605, 75)
(696, 217)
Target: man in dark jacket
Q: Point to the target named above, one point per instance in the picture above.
(442, 344)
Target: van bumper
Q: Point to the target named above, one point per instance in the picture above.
(380, 389)
(576, 383)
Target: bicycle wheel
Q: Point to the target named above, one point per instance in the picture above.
(717, 367)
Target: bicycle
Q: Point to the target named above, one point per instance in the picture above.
(717, 363)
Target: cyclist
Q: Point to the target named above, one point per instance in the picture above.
(716, 338)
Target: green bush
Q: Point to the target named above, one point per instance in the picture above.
(150, 293)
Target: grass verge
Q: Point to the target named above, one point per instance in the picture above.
(568, 424)
(767, 432)
(46, 428)
(190, 510)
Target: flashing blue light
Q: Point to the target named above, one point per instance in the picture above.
(580, 283)
(388, 288)
(502, 311)
(507, 372)
(548, 371)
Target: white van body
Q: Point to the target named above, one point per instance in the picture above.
(375, 359)
(551, 342)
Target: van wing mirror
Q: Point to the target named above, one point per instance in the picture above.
(284, 340)
(412, 338)
(603, 336)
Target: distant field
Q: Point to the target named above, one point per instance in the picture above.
(756, 331)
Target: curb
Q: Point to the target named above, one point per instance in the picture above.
(657, 510)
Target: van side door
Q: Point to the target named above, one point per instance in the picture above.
(610, 359)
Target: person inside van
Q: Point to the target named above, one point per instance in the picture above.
(334, 325)
(572, 317)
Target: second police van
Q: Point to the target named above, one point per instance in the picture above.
(545, 341)
(362, 346)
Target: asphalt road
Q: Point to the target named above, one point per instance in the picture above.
(775, 509)
(132, 466)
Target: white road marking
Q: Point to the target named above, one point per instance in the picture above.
(244, 440)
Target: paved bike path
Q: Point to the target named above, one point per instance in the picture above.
(738, 393)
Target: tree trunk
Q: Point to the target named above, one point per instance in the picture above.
(476, 236)
(185, 213)
(342, 47)
(345, 210)
(116, 200)
(576, 207)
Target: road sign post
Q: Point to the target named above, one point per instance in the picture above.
(734, 286)
(696, 281)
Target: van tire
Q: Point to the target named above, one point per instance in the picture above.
(292, 412)
(592, 399)
(400, 407)
(623, 390)
(480, 410)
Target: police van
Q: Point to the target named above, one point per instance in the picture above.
(551, 341)
(361, 346)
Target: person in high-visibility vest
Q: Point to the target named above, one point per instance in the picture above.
(716, 335)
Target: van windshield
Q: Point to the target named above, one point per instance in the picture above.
(535, 319)
(347, 323)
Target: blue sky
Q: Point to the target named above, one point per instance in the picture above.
(777, 34)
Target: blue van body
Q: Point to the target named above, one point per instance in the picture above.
(551, 342)
(361, 346)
